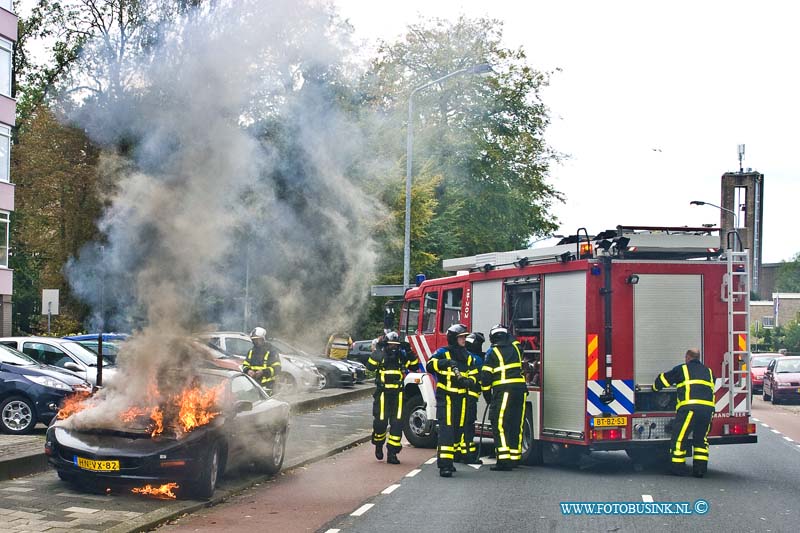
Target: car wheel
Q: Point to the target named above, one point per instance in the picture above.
(271, 464)
(208, 479)
(17, 415)
(415, 419)
(775, 401)
(286, 383)
(532, 451)
(324, 381)
(766, 396)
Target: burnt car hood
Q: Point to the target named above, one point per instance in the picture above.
(124, 441)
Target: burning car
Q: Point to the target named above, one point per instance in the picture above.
(216, 420)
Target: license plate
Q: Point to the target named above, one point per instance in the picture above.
(609, 421)
(97, 466)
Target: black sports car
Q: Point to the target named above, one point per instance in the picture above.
(129, 454)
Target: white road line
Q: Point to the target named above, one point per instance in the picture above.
(775, 431)
(755, 419)
(363, 509)
(764, 425)
(390, 489)
(430, 461)
(787, 438)
(647, 498)
(413, 472)
(333, 531)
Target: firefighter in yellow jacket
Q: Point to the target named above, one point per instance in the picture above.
(391, 361)
(695, 408)
(504, 389)
(262, 362)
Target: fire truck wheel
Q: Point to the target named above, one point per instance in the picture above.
(532, 452)
(208, 479)
(415, 419)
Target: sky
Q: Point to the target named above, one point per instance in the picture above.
(651, 103)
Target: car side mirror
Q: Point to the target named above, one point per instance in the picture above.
(72, 366)
(242, 406)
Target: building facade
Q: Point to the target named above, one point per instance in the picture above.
(8, 109)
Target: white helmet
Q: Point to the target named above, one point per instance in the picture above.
(258, 333)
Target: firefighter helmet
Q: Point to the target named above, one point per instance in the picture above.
(455, 331)
(258, 333)
(498, 333)
(392, 338)
(475, 342)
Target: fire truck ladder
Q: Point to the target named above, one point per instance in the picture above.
(736, 291)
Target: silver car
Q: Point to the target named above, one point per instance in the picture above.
(297, 373)
(66, 354)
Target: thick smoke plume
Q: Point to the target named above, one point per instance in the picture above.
(234, 173)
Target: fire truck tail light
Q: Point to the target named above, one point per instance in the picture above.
(608, 434)
(751, 428)
(740, 428)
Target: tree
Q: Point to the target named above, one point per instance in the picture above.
(484, 138)
(788, 277)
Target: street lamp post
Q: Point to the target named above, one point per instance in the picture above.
(725, 209)
(483, 68)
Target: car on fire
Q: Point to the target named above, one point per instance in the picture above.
(248, 427)
(30, 392)
(66, 354)
(782, 380)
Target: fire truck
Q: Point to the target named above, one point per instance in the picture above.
(599, 318)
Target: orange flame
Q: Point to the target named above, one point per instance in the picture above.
(73, 404)
(196, 407)
(158, 418)
(163, 491)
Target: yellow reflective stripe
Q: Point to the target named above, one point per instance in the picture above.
(696, 382)
(392, 372)
(664, 380)
(507, 381)
(679, 440)
(678, 459)
(442, 386)
(463, 414)
(695, 402)
(400, 405)
(500, 429)
(446, 449)
(679, 452)
(382, 415)
(522, 423)
(448, 407)
(700, 450)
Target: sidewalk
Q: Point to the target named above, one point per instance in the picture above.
(23, 455)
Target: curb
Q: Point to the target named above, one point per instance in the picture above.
(158, 517)
(35, 463)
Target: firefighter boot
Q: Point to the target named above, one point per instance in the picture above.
(677, 469)
(699, 468)
(392, 459)
(501, 466)
(379, 452)
(445, 472)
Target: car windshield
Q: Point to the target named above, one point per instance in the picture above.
(10, 356)
(760, 362)
(86, 356)
(787, 365)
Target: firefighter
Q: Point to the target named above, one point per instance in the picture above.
(505, 390)
(450, 366)
(391, 361)
(262, 362)
(695, 408)
(474, 345)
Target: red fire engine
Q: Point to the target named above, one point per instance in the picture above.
(600, 317)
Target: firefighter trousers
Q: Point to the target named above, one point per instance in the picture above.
(507, 413)
(694, 419)
(450, 415)
(387, 411)
(469, 450)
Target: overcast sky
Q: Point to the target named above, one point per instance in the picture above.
(652, 101)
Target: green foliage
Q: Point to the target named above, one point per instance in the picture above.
(788, 277)
(791, 339)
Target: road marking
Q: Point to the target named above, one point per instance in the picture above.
(413, 472)
(775, 431)
(333, 531)
(84, 510)
(647, 498)
(765, 425)
(316, 426)
(363, 509)
(390, 489)
(430, 461)
(787, 438)
(755, 419)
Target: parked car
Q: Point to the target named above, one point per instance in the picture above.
(758, 365)
(31, 392)
(361, 351)
(297, 374)
(195, 460)
(782, 379)
(334, 373)
(62, 353)
(111, 342)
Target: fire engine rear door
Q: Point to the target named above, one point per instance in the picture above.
(564, 349)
